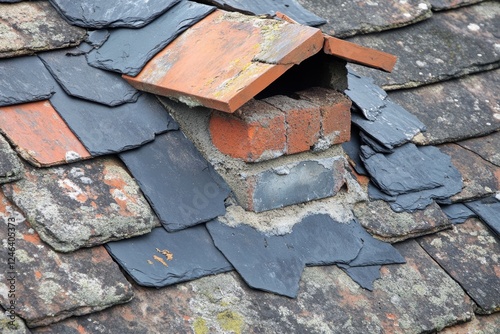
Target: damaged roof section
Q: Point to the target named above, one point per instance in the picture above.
(10, 165)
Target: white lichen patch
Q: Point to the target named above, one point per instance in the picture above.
(473, 27)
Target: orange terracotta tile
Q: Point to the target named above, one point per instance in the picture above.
(358, 54)
(40, 134)
(226, 59)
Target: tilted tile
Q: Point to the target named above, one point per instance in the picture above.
(385, 224)
(481, 178)
(11, 323)
(82, 204)
(449, 4)
(291, 8)
(104, 130)
(40, 134)
(448, 45)
(251, 55)
(97, 14)
(365, 17)
(127, 50)
(51, 286)
(487, 147)
(456, 109)
(457, 213)
(32, 26)
(78, 79)
(488, 210)
(367, 96)
(181, 186)
(24, 79)
(468, 254)
(161, 258)
(10, 165)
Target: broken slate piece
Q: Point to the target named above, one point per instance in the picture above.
(97, 38)
(488, 209)
(181, 186)
(269, 263)
(10, 166)
(367, 96)
(105, 130)
(290, 8)
(364, 276)
(458, 213)
(353, 150)
(161, 258)
(24, 79)
(95, 14)
(128, 50)
(78, 79)
(438, 5)
(373, 144)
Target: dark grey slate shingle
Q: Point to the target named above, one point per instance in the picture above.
(458, 213)
(488, 209)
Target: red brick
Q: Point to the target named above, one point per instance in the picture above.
(254, 132)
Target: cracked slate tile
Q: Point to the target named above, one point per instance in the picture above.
(40, 135)
(32, 26)
(251, 55)
(12, 324)
(383, 223)
(438, 5)
(181, 186)
(83, 282)
(458, 213)
(468, 253)
(10, 165)
(456, 109)
(450, 44)
(104, 130)
(488, 210)
(82, 204)
(78, 79)
(290, 8)
(487, 147)
(24, 79)
(365, 17)
(127, 50)
(95, 14)
(481, 178)
(161, 258)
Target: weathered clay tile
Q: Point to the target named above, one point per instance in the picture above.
(104, 130)
(448, 4)
(40, 134)
(82, 204)
(251, 55)
(24, 79)
(127, 50)
(468, 254)
(458, 213)
(383, 223)
(11, 323)
(181, 186)
(161, 258)
(51, 286)
(328, 301)
(347, 18)
(97, 14)
(10, 166)
(487, 147)
(78, 79)
(32, 26)
(448, 45)
(488, 210)
(290, 8)
(481, 178)
(454, 110)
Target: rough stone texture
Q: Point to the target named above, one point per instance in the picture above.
(481, 324)
(458, 213)
(12, 324)
(367, 96)
(78, 79)
(488, 210)
(24, 79)
(161, 258)
(181, 186)
(383, 223)
(454, 110)
(365, 17)
(51, 286)
(448, 45)
(104, 130)
(127, 50)
(328, 302)
(32, 26)
(448, 4)
(469, 254)
(10, 166)
(487, 147)
(95, 14)
(481, 178)
(82, 204)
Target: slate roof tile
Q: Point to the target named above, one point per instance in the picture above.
(488, 210)
(10, 325)
(10, 165)
(448, 4)
(458, 213)
(488, 147)
(82, 204)
(40, 134)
